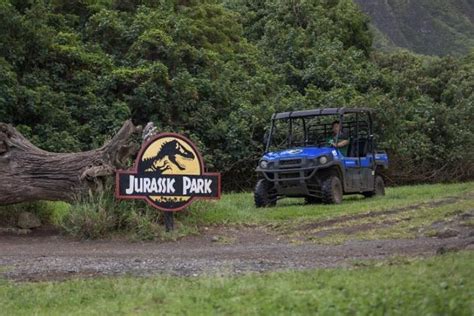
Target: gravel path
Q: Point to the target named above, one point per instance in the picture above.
(49, 256)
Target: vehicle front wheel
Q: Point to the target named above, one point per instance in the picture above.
(264, 194)
(379, 189)
(332, 190)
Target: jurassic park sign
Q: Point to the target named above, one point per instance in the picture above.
(169, 174)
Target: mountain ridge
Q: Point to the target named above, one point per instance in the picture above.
(429, 27)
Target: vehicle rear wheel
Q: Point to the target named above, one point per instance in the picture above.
(379, 189)
(332, 190)
(264, 194)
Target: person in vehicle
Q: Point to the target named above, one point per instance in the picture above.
(341, 136)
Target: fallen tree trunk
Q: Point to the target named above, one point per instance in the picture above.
(28, 173)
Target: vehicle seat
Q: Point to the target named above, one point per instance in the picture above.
(354, 144)
(363, 147)
(349, 148)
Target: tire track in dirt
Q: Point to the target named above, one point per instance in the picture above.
(402, 222)
(373, 214)
(222, 250)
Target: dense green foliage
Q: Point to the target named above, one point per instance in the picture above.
(72, 71)
(440, 285)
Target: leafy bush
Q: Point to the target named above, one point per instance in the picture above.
(72, 72)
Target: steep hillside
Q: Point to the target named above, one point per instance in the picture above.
(432, 27)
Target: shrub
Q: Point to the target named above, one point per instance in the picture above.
(104, 217)
(48, 212)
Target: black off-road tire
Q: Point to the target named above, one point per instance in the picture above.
(379, 188)
(332, 190)
(264, 194)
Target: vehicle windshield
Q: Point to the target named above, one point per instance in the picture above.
(308, 131)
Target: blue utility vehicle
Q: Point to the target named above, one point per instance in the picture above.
(320, 155)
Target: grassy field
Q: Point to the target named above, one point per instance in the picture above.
(405, 212)
(441, 285)
(238, 208)
(436, 286)
(420, 220)
(107, 217)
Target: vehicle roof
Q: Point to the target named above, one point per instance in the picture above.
(316, 112)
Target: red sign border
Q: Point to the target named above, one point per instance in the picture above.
(134, 170)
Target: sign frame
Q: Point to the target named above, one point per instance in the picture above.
(134, 171)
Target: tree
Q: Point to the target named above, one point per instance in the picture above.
(28, 173)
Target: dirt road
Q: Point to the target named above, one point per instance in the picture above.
(49, 256)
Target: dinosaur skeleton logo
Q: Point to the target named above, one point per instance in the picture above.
(168, 174)
(170, 149)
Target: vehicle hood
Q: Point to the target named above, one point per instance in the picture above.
(297, 153)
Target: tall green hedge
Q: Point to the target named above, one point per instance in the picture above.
(72, 71)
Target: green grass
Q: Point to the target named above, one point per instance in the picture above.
(437, 286)
(238, 208)
(441, 285)
(409, 223)
(107, 217)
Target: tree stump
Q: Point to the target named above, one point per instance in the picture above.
(28, 173)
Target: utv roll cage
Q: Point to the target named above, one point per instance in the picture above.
(352, 128)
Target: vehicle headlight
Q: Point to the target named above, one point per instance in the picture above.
(322, 160)
(264, 164)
